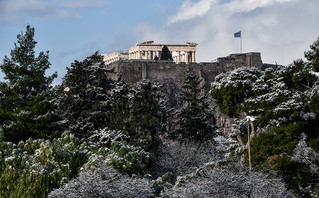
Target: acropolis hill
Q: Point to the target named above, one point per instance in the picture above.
(138, 64)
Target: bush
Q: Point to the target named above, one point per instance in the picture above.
(104, 181)
(34, 167)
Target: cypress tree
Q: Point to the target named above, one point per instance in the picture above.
(120, 106)
(192, 117)
(27, 108)
(147, 115)
(166, 54)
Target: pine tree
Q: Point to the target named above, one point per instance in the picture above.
(147, 115)
(85, 93)
(27, 108)
(313, 55)
(120, 106)
(166, 54)
(192, 117)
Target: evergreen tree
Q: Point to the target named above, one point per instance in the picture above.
(166, 54)
(313, 55)
(192, 117)
(85, 93)
(120, 106)
(285, 103)
(147, 115)
(27, 109)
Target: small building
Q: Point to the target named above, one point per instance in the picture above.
(115, 56)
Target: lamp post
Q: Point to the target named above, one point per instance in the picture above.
(249, 119)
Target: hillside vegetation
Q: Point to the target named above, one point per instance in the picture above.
(93, 136)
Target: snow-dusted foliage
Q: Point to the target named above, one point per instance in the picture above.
(192, 117)
(275, 97)
(111, 147)
(85, 95)
(147, 115)
(313, 54)
(121, 99)
(104, 181)
(233, 146)
(233, 88)
(305, 154)
(27, 109)
(285, 103)
(214, 180)
(183, 157)
(34, 167)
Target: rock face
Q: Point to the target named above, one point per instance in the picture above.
(172, 76)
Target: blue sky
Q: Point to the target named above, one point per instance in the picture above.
(73, 29)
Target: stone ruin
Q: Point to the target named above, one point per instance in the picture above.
(149, 50)
(139, 64)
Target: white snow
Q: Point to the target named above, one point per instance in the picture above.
(250, 118)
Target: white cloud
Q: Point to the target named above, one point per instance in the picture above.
(280, 29)
(248, 5)
(190, 10)
(16, 10)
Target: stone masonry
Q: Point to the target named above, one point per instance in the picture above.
(172, 76)
(132, 71)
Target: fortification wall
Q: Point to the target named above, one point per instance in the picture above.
(133, 71)
(172, 76)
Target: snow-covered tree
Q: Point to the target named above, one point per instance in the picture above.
(147, 115)
(184, 157)
(120, 102)
(104, 181)
(111, 148)
(27, 108)
(192, 117)
(231, 180)
(231, 89)
(285, 103)
(32, 168)
(313, 55)
(85, 93)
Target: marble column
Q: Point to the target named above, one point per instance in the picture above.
(154, 54)
(193, 57)
(186, 57)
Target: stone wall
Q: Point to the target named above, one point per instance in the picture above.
(172, 76)
(133, 71)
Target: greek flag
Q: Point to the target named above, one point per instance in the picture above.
(237, 34)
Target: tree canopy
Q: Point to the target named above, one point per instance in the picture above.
(193, 115)
(285, 103)
(147, 115)
(166, 54)
(85, 95)
(27, 107)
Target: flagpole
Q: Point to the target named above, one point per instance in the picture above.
(241, 44)
(236, 35)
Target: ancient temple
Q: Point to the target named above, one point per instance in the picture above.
(149, 50)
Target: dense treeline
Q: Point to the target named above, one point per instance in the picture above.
(50, 134)
(93, 136)
(284, 102)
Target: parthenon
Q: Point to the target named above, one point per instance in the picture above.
(149, 50)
